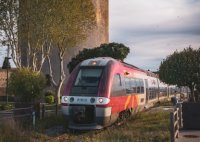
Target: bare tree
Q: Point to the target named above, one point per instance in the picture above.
(72, 20)
(8, 26)
(45, 24)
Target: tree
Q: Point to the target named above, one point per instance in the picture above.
(26, 22)
(34, 24)
(9, 29)
(44, 24)
(71, 21)
(182, 68)
(26, 84)
(114, 50)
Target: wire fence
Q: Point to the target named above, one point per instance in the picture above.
(29, 114)
(47, 110)
(18, 114)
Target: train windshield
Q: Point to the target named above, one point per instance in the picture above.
(87, 82)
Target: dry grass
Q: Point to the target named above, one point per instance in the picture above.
(147, 127)
(10, 131)
(144, 127)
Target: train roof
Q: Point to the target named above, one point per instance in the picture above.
(100, 61)
(103, 61)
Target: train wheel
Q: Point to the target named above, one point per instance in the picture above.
(123, 116)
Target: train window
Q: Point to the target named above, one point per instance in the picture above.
(88, 77)
(128, 85)
(142, 86)
(163, 91)
(117, 88)
(152, 92)
(138, 85)
(134, 85)
(87, 82)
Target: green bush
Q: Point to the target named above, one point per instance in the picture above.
(26, 84)
(49, 99)
(49, 92)
(7, 106)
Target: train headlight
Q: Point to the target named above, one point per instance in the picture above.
(71, 99)
(65, 99)
(100, 100)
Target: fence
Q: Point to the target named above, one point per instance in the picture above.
(176, 122)
(45, 110)
(49, 109)
(18, 113)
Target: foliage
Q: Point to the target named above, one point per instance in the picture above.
(26, 84)
(6, 63)
(114, 50)
(49, 92)
(9, 12)
(154, 126)
(71, 21)
(49, 99)
(6, 106)
(182, 68)
(42, 25)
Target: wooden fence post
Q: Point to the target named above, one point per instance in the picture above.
(56, 109)
(43, 110)
(180, 115)
(33, 114)
(172, 131)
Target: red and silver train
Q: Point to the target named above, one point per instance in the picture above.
(99, 91)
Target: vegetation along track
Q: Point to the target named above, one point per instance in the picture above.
(153, 124)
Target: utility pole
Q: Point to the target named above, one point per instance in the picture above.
(7, 67)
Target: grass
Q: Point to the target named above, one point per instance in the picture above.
(10, 131)
(151, 126)
(164, 102)
(147, 127)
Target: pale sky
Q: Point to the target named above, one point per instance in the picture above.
(154, 29)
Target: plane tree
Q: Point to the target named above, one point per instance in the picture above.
(9, 12)
(71, 22)
(182, 69)
(41, 26)
(115, 50)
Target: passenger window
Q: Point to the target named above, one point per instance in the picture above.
(138, 85)
(117, 88)
(134, 85)
(128, 86)
(142, 86)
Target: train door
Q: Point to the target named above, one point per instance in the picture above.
(147, 90)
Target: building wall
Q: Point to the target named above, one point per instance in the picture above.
(3, 80)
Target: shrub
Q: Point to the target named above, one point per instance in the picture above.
(49, 92)
(26, 84)
(49, 99)
(7, 106)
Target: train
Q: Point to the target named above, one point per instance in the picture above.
(100, 91)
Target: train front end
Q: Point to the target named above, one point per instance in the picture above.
(85, 101)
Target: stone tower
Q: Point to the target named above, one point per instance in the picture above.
(98, 36)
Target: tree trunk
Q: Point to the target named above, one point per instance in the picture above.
(62, 77)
